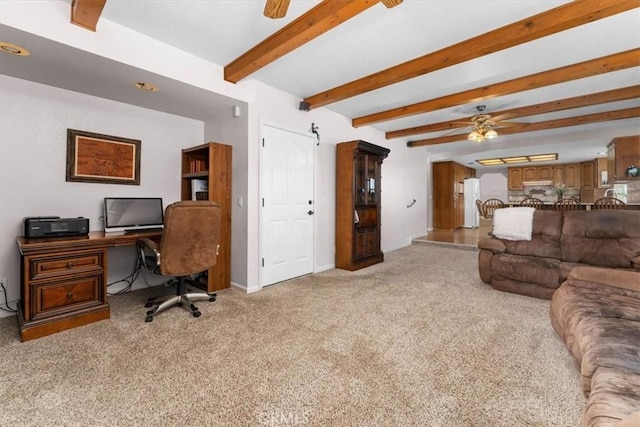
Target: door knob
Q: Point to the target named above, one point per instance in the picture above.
(310, 212)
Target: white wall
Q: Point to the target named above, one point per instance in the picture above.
(226, 129)
(493, 185)
(33, 147)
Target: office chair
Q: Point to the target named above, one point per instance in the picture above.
(188, 246)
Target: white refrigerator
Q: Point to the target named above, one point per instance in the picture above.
(471, 194)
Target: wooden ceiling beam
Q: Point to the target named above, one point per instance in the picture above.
(614, 95)
(86, 13)
(549, 124)
(561, 18)
(605, 64)
(320, 19)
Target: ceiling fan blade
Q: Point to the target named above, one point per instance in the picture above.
(275, 9)
(511, 124)
(391, 3)
(457, 131)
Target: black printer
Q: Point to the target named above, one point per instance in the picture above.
(54, 226)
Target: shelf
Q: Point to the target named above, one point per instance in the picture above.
(203, 174)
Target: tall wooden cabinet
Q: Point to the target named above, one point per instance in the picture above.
(448, 194)
(211, 162)
(358, 202)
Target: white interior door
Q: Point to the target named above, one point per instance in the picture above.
(288, 208)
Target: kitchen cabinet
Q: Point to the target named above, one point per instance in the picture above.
(623, 152)
(544, 173)
(529, 173)
(448, 194)
(515, 179)
(558, 175)
(593, 177)
(588, 175)
(572, 175)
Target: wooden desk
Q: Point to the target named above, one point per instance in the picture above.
(64, 280)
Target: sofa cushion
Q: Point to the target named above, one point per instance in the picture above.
(596, 312)
(545, 237)
(541, 271)
(522, 288)
(615, 396)
(607, 238)
(610, 343)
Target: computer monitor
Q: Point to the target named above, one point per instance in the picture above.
(132, 213)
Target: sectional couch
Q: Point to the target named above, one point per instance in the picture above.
(596, 312)
(559, 242)
(595, 255)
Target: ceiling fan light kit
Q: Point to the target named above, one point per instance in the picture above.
(483, 127)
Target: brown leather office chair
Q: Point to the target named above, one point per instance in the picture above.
(490, 205)
(532, 202)
(567, 204)
(188, 246)
(609, 203)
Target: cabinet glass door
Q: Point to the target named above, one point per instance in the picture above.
(366, 172)
(361, 179)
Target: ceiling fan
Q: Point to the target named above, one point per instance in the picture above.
(483, 125)
(275, 9)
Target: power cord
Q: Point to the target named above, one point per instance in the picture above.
(129, 279)
(6, 307)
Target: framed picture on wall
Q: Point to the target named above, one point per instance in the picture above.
(93, 157)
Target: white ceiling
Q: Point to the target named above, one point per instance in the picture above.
(220, 31)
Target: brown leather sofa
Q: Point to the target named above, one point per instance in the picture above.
(596, 312)
(561, 241)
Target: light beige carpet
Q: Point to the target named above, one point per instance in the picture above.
(415, 341)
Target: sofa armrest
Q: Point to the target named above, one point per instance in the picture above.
(636, 262)
(493, 245)
(623, 279)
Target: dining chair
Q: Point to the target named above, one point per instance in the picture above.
(490, 205)
(532, 202)
(479, 206)
(609, 203)
(567, 204)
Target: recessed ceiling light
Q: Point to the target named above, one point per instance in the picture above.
(147, 87)
(520, 159)
(13, 49)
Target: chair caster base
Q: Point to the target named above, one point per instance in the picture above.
(185, 300)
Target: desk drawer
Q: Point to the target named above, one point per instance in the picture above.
(51, 266)
(55, 298)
